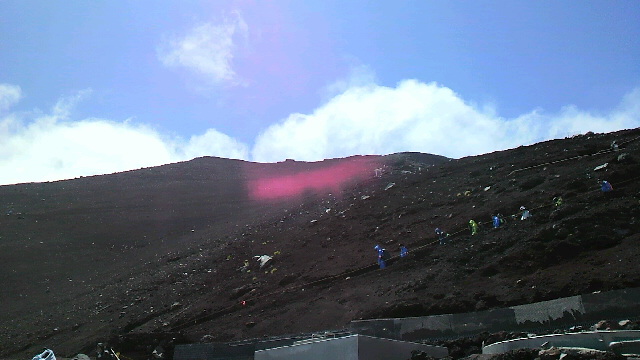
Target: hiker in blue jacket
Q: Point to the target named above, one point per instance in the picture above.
(403, 251)
(383, 256)
(442, 235)
(496, 221)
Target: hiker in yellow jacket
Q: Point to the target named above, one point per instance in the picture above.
(473, 226)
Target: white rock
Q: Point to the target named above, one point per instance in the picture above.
(600, 167)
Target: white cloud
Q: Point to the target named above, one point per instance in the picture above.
(215, 143)
(424, 117)
(363, 119)
(206, 49)
(43, 147)
(9, 95)
(359, 75)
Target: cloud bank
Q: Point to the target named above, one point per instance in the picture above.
(37, 147)
(206, 49)
(362, 119)
(424, 117)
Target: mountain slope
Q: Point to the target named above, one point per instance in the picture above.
(164, 249)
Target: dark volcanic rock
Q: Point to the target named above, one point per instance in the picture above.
(95, 258)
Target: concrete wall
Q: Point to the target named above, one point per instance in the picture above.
(564, 312)
(612, 305)
(345, 348)
(354, 347)
(213, 352)
(377, 348)
(546, 310)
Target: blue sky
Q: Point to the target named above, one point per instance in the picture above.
(104, 86)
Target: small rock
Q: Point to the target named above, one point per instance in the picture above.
(81, 357)
(622, 157)
(605, 325)
(624, 323)
(264, 260)
(600, 167)
(573, 353)
(207, 338)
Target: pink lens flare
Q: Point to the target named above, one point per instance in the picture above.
(332, 178)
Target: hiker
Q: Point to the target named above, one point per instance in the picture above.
(496, 221)
(525, 213)
(473, 226)
(557, 201)
(383, 256)
(403, 251)
(442, 236)
(501, 218)
(606, 187)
